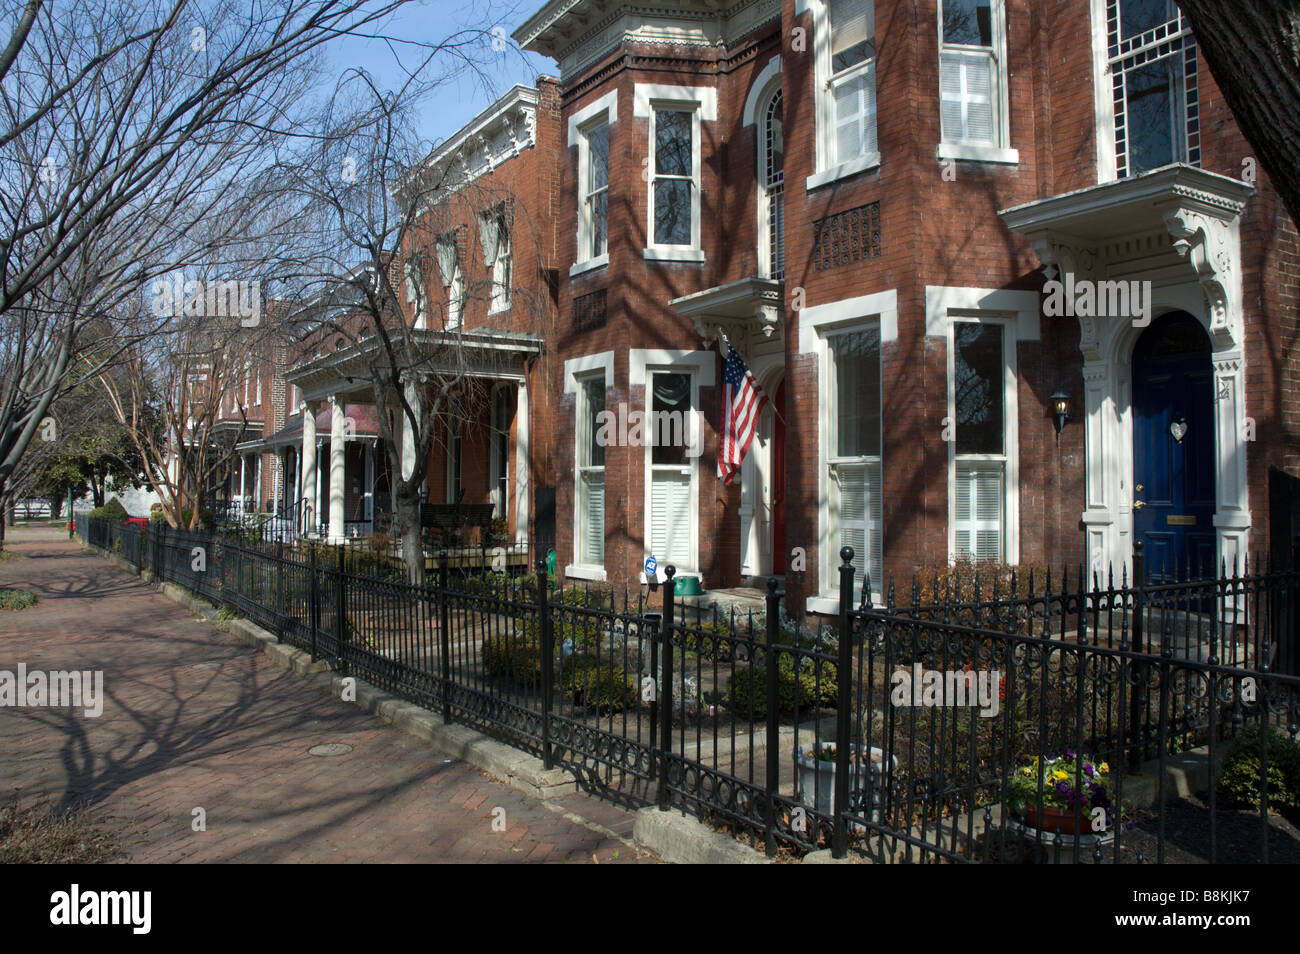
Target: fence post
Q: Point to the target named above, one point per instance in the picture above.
(279, 590)
(1137, 689)
(340, 612)
(444, 637)
(773, 716)
(315, 598)
(546, 626)
(840, 832)
(665, 692)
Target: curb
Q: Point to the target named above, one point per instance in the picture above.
(679, 839)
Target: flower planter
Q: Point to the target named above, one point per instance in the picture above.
(1060, 820)
(816, 780)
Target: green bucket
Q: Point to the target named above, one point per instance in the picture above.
(689, 586)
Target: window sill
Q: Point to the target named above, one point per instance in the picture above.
(661, 579)
(589, 265)
(594, 573)
(842, 171)
(952, 150)
(500, 309)
(674, 253)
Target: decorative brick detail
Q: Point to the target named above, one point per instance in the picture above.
(847, 237)
(589, 311)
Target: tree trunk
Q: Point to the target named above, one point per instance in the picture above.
(1253, 50)
(406, 510)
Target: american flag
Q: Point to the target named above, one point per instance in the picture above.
(742, 402)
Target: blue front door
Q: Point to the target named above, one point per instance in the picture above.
(1173, 453)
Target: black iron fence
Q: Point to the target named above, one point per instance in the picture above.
(1046, 721)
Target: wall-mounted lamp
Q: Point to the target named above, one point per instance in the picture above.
(1062, 409)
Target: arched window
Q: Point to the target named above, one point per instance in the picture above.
(771, 182)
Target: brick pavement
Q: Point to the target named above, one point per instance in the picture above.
(193, 719)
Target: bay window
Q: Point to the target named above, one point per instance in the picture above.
(979, 394)
(672, 470)
(675, 178)
(846, 88)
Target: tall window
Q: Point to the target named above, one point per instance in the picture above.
(452, 279)
(494, 236)
(671, 470)
(854, 462)
(772, 186)
(589, 535)
(414, 284)
(1152, 56)
(851, 80)
(970, 72)
(593, 172)
(979, 419)
(675, 179)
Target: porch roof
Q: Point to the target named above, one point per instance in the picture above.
(362, 415)
(481, 352)
(739, 309)
(1139, 203)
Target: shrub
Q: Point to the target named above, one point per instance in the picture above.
(112, 510)
(11, 599)
(710, 640)
(156, 516)
(1240, 776)
(516, 656)
(598, 684)
(589, 596)
(585, 632)
(793, 687)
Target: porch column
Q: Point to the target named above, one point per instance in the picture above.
(522, 473)
(368, 492)
(338, 478)
(308, 470)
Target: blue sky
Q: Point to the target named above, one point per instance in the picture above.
(430, 20)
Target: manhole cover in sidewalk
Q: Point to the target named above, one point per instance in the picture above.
(330, 748)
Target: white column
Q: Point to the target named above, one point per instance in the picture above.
(243, 481)
(307, 468)
(369, 487)
(522, 473)
(338, 460)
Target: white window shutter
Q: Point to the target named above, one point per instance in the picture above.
(855, 115)
(967, 94)
(978, 521)
(593, 515)
(670, 514)
(859, 521)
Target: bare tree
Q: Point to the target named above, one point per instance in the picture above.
(125, 125)
(1253, 49)
(367, 273)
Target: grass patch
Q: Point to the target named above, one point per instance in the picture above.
(16, 599)
(38, 834)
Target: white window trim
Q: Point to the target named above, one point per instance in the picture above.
(501, 283)
(815, 323)
(1103, 96)
(575, 370)
(763, 203)
(702, 103)
(702, 367)
(824, 106)
(1018, 313)
(1001, 151)
(498, 469)
(603, 110)
(602, 116)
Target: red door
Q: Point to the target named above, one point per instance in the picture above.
(778, 482)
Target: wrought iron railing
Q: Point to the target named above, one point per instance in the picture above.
(780, 730)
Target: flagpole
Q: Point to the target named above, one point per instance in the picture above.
(771, 401)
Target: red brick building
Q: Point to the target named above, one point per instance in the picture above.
(868, 200)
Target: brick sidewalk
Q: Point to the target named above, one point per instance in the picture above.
(193, 719)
